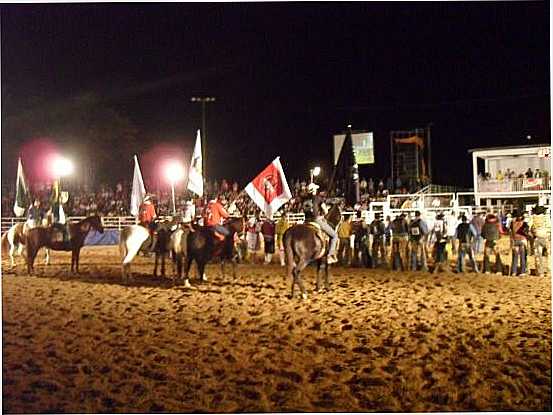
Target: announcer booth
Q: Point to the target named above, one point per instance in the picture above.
(516, 172)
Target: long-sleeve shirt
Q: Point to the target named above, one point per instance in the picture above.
(215, 213)
(147, 213)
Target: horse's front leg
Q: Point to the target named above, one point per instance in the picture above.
(75, 261)
(31, 254)
(223, 267)
(12, 256)
(327, 278)
(187, 270)
(156, 256)
(47, 257)
(163, 255)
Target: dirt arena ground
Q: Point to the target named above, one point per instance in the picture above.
(379, 341)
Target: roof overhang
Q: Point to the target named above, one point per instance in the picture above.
(498, 152)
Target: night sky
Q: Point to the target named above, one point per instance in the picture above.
(288, 76)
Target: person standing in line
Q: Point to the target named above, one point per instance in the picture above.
(541, 230)
(477, 222)
(439, 235)
(418, 229)
(252, 238)
(268, 232)
(491, 232)
(465, 234)
(400, 238)
(451, 224)
(377, 229)
(519, 244)
(344, 247)
(281, 226)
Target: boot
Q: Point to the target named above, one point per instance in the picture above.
(331, 259)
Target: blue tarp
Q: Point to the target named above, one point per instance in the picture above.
(109, 237)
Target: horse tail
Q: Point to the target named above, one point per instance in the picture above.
(288, 248)
(123, 236)
(5, 243)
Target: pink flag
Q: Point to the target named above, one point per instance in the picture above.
(269, 190)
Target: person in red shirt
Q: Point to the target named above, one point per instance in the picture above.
(214, 215)
(146, 217)
(147, 212)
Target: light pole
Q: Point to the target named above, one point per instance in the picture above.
(174, 171)
(203, 101)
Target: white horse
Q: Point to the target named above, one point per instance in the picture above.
(177, 245)
(131, 239)
(14, 242)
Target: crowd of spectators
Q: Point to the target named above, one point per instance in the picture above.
(509, 174)
(115, 200)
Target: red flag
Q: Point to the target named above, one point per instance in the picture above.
(269, 190)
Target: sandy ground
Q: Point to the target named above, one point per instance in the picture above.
(379, 341)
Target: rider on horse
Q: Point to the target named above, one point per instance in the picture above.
(214, 214)
(59, 221)
(315, 209)
(35, 215)
(146, 217)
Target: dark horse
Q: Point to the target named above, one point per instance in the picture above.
(303, 244)
(50, 238)
(203, 246)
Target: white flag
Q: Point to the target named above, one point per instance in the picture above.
(195, 174)
(269, 190)
(138, 190)
(21, 192)
(62, 219)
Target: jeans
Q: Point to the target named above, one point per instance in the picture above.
(490, 248)
(465, 248)
(416, 251)
(379, 253)
(330, 232)
(519, 251)
(399, 248)
(540, 244)
(478, 245)
(222, 230)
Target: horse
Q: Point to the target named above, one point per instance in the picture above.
(49, 237)
(132, 239)
(14, 242)
(303, 244)
(203, 246)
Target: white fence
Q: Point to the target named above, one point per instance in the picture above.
(430, 204)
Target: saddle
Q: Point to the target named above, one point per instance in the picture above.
(59, 234)
(322, 235)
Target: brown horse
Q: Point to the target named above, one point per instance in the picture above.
(303, 244)
(50, 238)
(202, 246)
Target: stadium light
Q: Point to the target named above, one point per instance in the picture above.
(174, 172)
(314, 172)
(62, 167)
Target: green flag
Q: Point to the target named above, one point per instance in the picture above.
(22, 196)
